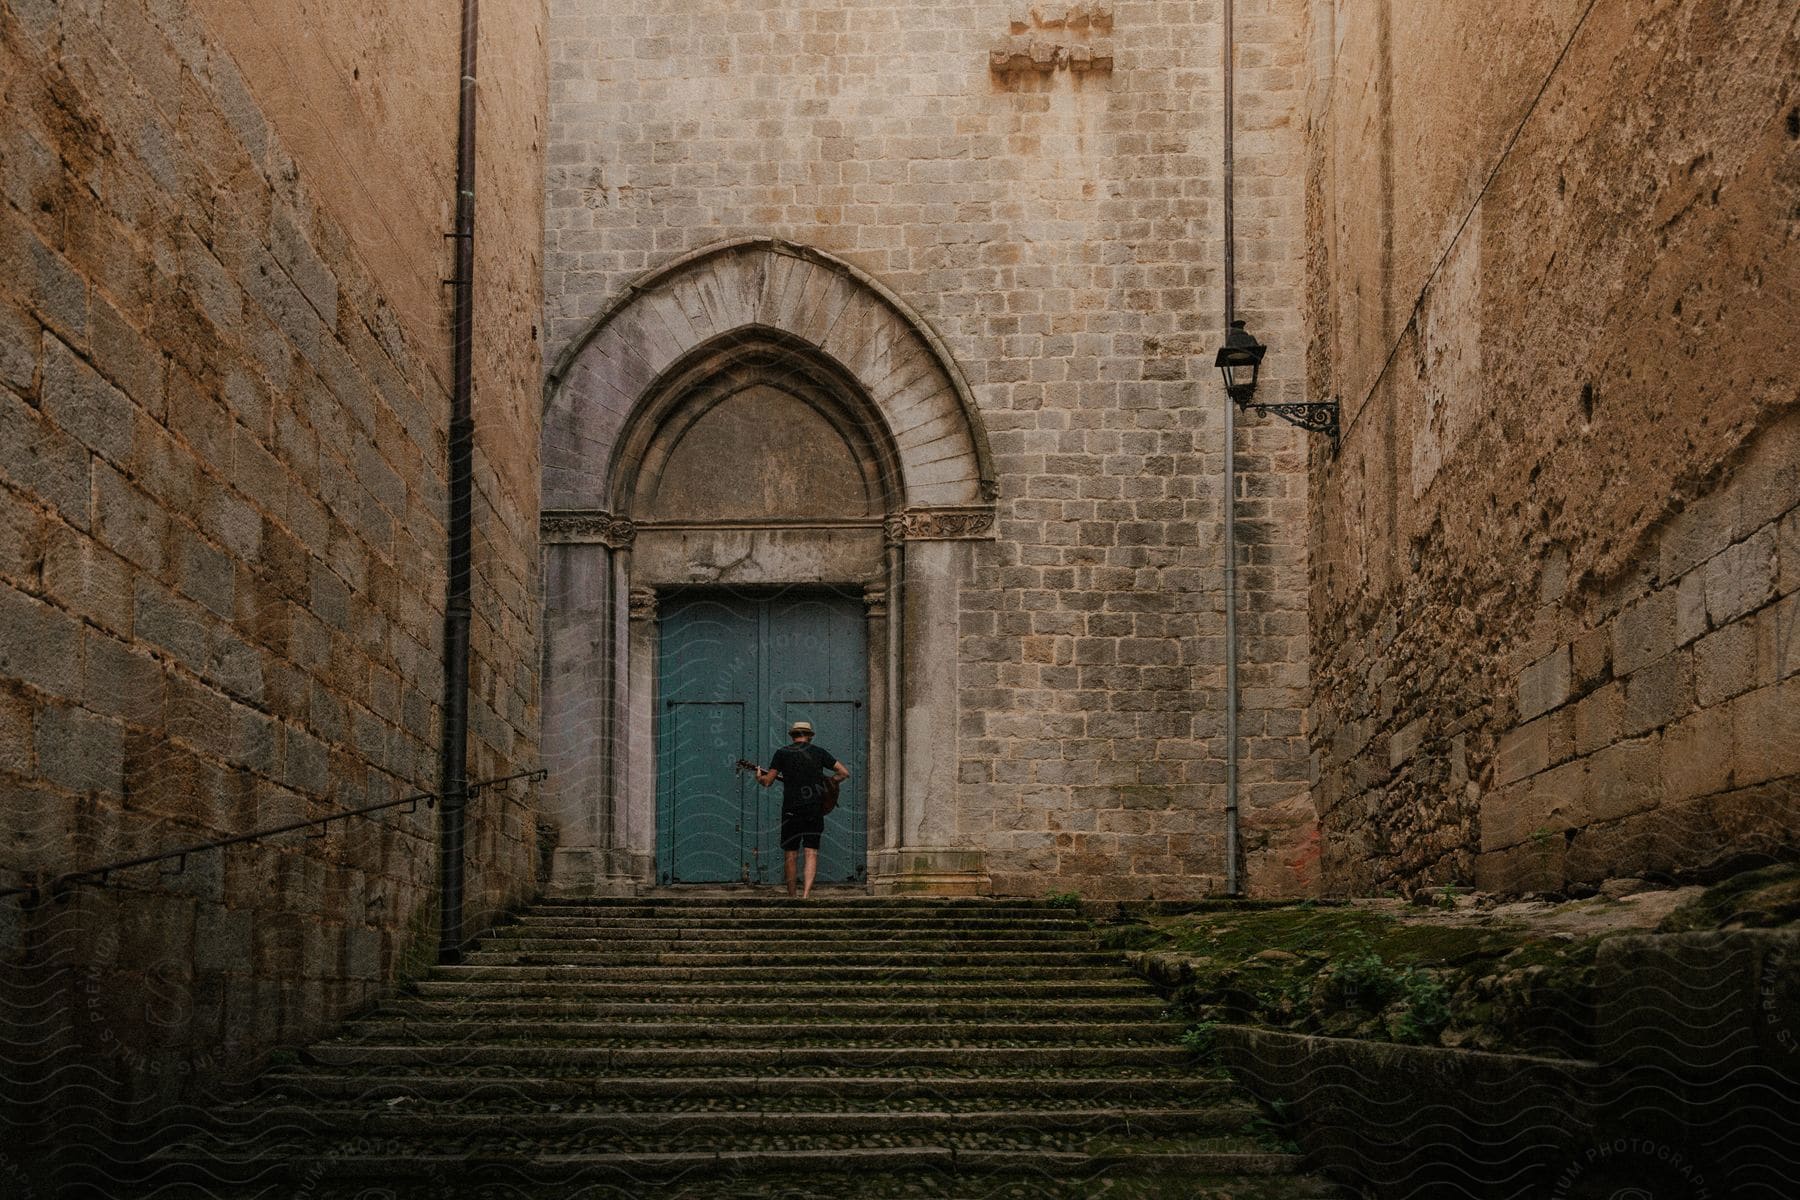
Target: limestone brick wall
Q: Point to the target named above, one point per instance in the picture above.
(223, 415)
(1659, 718)
(1552, 275)
(1042, 184)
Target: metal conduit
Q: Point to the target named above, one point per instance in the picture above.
(1230, 501)
(453, 765)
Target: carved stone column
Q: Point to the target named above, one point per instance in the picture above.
(929, 553)
(638, 797)
(875, 600)
(589, 556)
(894, 729)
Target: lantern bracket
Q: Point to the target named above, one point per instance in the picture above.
(1314, 417)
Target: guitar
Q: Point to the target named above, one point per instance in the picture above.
(830, 798)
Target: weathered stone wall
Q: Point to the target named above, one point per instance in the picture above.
(368, 83)
(1054, 215)
(1552, 275)
(223, 415)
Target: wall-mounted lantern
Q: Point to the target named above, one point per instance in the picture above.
(1239, 360)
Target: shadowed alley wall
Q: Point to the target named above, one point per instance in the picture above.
(1552, 273)
(224, 397)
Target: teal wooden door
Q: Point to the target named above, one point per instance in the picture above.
(735, 673)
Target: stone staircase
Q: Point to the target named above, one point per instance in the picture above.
(731, 1045)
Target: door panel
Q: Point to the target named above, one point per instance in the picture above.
(706, 843)
(709, 679)
(777, 660)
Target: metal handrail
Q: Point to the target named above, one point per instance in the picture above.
(35, 891)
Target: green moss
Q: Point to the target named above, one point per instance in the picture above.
(1754, 899)
(1199, 1039)
(1370, 972)
(1301, 929)
(1426, 1010)
(1362, 972)
(1132, 937)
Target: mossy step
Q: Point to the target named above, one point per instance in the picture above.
(241, 1126)
(812, 1089)
(735, 1059)
(801, 1026)
(546, 983)
(1144, 1007)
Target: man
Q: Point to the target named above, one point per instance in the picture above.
(801, 768)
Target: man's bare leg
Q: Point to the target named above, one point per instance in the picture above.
(812, 868)
(790, 874)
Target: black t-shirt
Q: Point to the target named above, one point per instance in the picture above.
(803, 769)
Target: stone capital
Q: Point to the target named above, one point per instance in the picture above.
(960, 522)
(587, 527)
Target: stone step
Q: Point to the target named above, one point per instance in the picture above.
(865, 1182)
(796, 947)
(758, 936)
(921, 1070)
(814, 928)
(287, 1122)
(991, 977)
(512, 1161)
(850, 931)
(776, 959)
(1046, 927)
(802, 1026)
(869, 1008)
(839, 1053)
(775, 901)
(801, 916)
(545, 983)
(1120, 1085)
(724, 1045)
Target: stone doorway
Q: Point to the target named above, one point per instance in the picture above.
(756, 418)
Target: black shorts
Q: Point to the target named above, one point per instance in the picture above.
(801, 827)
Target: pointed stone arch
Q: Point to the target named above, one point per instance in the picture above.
(736, 291)
(666, 374)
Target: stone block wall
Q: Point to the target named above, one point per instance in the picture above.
(1552, 276)
(223, 415)
(1042, 185)
(1659, 721)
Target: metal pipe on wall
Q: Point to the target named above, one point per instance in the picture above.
(1230, 499)
(453, 761)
